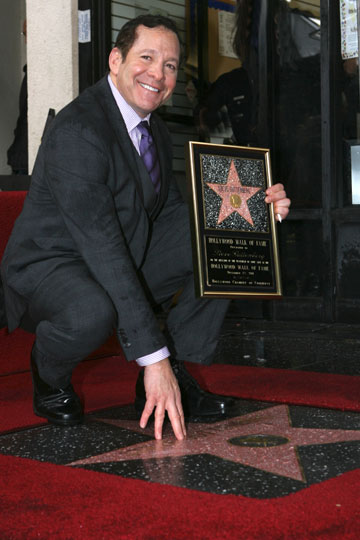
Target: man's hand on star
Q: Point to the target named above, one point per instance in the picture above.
(163, 395)
(276, 194)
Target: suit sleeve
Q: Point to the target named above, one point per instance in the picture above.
(77, 169)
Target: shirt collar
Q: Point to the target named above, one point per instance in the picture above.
(131, 117)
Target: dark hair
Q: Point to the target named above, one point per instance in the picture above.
(128, 33)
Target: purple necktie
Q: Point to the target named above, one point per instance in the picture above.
(149, 154)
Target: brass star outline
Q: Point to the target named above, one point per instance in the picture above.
(234, 196)
(215, 439)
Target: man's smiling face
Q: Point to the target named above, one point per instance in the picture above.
(147, 76)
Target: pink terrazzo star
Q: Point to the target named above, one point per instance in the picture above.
(269, 426)
(234, 196)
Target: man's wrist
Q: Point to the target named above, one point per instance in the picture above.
(154, 357)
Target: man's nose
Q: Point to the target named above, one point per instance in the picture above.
(157, 71)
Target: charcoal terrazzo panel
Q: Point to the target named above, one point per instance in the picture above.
(62, 445)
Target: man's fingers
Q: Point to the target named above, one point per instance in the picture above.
(276, 196)
(147, 412)
(159, 420)
(163, 393)
(282, 208)
(181, 414)
(276, 193)
(176, 417)
(275, 188)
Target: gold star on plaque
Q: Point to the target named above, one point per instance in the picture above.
(234, 196)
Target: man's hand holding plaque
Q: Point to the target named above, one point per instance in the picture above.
(276, 194)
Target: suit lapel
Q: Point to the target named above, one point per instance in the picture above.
(143, 183)
(117, 123)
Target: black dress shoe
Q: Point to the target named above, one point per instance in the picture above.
(195, 401)
(60, 406)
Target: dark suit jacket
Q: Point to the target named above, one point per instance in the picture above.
(91, 198)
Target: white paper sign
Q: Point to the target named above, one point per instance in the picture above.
(84, 26)
(226, 24)
(349, 32)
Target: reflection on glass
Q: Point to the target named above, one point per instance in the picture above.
(351, 128)
(355, 174)
(350, 98)
(278, 45)
(298, 104)
(302, 258)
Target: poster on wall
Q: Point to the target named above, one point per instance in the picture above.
(226, 26)
(349, 29)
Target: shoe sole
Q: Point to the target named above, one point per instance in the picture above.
(59, 422)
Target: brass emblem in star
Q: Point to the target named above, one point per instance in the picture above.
(234, 196)
(263, 439)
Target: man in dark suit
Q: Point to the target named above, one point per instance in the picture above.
(101, 240)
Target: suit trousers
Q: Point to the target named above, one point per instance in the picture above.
(73, 315)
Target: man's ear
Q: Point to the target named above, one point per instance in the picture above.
(115, 59)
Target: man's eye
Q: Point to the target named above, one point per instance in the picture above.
(146, 57)
(171, 67)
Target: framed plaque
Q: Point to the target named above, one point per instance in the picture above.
(233, 230)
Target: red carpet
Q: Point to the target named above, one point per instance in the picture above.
(15, 351)
(40, 500)
(91, 379)
(110, 381)
(323, 390)
(52, 502)
(100, 383)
